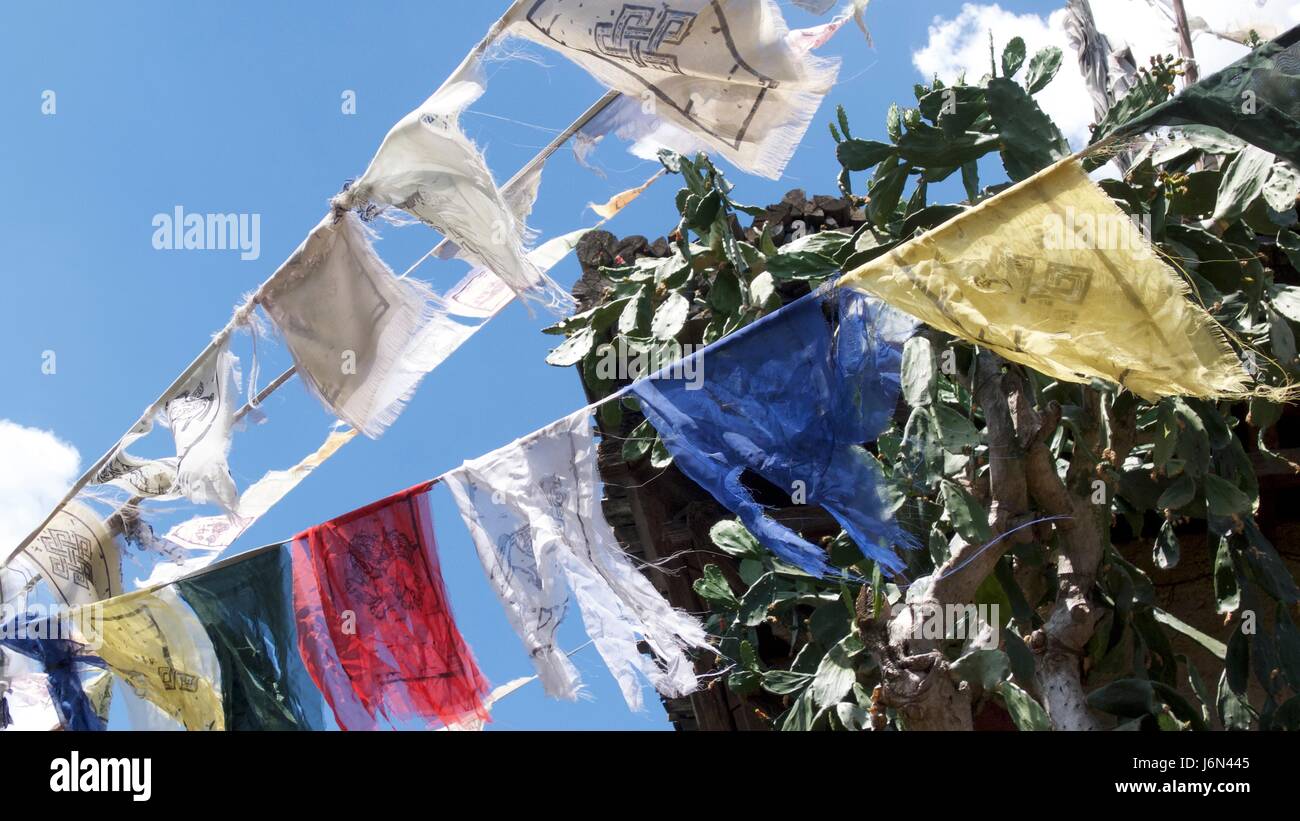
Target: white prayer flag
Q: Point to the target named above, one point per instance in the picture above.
(724, 71)
(361, 338)
(427, 167)
(77, 555)
(200, 415)
(533, 509)
(148, 478)
(193, 545)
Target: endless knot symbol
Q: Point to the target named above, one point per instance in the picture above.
(639, 32)
(70, 556)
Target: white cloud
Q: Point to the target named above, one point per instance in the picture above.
(36, 469)
(961, 44)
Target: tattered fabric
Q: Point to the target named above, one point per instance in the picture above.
(427, 167)
(375, 626)
(792, 398)
(200, 415)
(194, 544)
(1256, 99)
(246, 609)
(63, 660)
(361, 338)
(155, 643)
(1053, 275)
(725, 72)
(533, 509)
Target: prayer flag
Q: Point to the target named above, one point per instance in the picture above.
(375, 626)
(1052, 274)
(246, 609)
(1256, 99)
(726, 72)
(792, 398)
(533, 509)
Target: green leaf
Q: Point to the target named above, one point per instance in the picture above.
(843, 117)
(1234, 710)
(1267, 566)
(970, 180)
(852, 716)
(1237, 662)
(886, 190)
(1013, 57)
(1030, 140)
(1226, 590)
(573, 349)
(861, 155)
(1022, 658)
(968, 516)
(660, 456)
(1126, 698)
(725, 296)
(1286, 298)
(798, 266)
(894, 122)
(1289, 242)
(744, 682)
(638, 443)
(836, 673)
(929, 147)
(714, 589)
(1225, 499)
(762, 291)
(757, 600)
(670, 317)
(1242, 183)
(1282, 188)
(784, 682)
(1218, 648)
(1167, 552)
(956, 432)
(1043, 68)
(1027, 714)
(987, 668)
(1178, 495)
(802, 716)
(731, 537)
(637, 314)
(920, 373)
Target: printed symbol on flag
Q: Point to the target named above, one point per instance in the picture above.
(70, 556)
(515, 551)
(637, 37)
(187, 407)
(173, 679)
(631, 43)
(1029, 277)
(377, 571)
(553, 487)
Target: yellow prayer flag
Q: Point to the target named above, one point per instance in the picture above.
(155, 643)
(1053, 275)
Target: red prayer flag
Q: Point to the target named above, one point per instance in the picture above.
(375, 628)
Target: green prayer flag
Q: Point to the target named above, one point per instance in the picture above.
(1256, 99)
(246, 608)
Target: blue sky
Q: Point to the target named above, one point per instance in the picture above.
(236, 107)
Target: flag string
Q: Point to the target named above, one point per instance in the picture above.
(241, 318)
